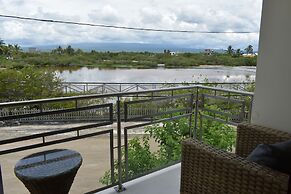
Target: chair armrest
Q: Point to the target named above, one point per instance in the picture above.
(249, 136)
(207, 170)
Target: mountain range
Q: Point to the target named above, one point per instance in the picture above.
(129, 47)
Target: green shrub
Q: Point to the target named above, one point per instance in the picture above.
(28, 83)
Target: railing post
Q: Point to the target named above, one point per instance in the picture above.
(191, 113)
(201, 127)
(196, 112)
(126, 153)
(1, 182)
(112, 157)
(119, 188)
(103, 88)
(250, 109)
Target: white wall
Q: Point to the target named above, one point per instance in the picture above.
(272, 103)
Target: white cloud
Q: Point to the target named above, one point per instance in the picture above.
(105, 15)
(214, 15)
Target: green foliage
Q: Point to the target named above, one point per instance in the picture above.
(140, 157)
(249, 49)
(169, 136)
(27, 84)
(230, 50)
(218, 134)
(8, 50)
(140, 160)
(76, 57)
(250, 87)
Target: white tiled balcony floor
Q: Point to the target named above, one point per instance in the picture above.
(165, 181)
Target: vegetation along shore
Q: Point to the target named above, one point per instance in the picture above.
(12, 56)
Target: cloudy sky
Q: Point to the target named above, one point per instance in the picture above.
(200, 15)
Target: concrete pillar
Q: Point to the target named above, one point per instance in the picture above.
(272, 102)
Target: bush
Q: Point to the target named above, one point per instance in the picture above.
(140, 160)
(219, 135)
(169, 136)
(28, 84)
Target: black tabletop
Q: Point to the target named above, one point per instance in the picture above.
(48, 164)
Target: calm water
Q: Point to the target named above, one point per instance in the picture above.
(200, 74)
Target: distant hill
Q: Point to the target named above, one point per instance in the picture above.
(129, 47)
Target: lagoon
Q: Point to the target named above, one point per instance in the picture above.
(195, 74)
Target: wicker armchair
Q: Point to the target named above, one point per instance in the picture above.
(207, 170)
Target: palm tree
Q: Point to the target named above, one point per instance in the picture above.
(238, 52)
(17, 48)
(249, 49)
(1, 42)
(69, 50)
(229, 50)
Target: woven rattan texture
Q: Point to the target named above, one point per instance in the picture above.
(207, 170)
(250, 135)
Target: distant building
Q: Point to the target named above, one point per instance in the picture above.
(168, 52)
(249, 54)
(32, 49)
(208, 51)
(172, 53)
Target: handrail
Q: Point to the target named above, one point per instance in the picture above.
(227, 90)
(115, 94)
(109, 87)
(162, 83)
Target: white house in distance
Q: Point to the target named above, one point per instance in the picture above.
(172, 53)
(208, 51)
(250, 54)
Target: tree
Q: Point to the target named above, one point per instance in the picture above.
(230, 50)
(69, 50)
(1, 42)
(249, 49)
(58, 50)
(17, 48)
(28, 84)
(9, 49)
(237, 53)
(2, 45)
(79, 51)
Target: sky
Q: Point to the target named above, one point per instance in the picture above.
(200, 15)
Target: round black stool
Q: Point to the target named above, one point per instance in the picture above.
(49, 172)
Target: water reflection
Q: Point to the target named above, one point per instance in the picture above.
(197, 74)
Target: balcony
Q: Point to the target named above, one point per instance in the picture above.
(166, 180)
(111, 129)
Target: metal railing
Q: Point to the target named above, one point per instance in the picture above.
(110, 87)
(193, 102)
